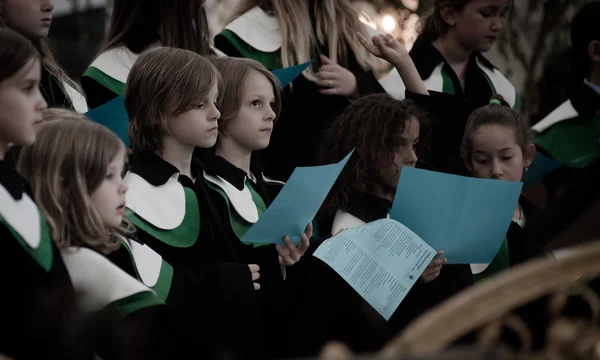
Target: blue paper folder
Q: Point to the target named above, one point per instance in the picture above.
(114, 116)
(465, 217)
(296, 205)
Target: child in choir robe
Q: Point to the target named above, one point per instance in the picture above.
(32, 18)
(171, 97)
(37, 291)
(570, 133)
(364, 193)
(496, 145)
(240, 192)
(449, 57)
(75, 168)
(282, 33)
(135, 26)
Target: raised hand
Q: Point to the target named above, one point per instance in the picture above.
(385, 47)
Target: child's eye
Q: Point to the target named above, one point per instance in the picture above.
(481, 161)
(110, 176)
(29, 89)
(506, 158)
(256, 103)
(486, 13)
(200, 106)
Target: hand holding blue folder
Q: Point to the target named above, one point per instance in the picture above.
(465, 217)
(296, 205)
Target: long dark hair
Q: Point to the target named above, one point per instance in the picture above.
(373, 126)
(48, 61)
(16, 52)
(175, 23)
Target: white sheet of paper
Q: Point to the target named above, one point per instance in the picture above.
(381, 260)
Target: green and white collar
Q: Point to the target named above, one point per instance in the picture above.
(100, 281)
(257, 29)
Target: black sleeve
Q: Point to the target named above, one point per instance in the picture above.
(217, 303)
(95, 93)
(367, 83)
(449, 115)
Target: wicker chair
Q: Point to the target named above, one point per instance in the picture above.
(490, 305)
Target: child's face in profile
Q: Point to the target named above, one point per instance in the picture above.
(251, 129)
(22, 104)
(109, 198)
(496, 154)
(405, 156)
(31, 18)
(198, 127)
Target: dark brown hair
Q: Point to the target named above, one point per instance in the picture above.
(175, 23)
(234, 72)
(15, 53)
(434, 25)
(373, 126)
(494, 114)
(46, 56)
(164, 82)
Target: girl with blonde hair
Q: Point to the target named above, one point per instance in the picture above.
(240, 192)
(32, 18)
(76, 172)
(280, 33)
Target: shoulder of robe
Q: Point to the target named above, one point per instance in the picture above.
(257, 29)
(152, 270)
(500, 84)
(102, 283)
(169, 212)
(27, 225)
(566, 111)
(112, 67)
(344, 221)
(241, 200)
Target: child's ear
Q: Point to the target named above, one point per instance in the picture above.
(448, 13)
(594, 51)
(468, 163)
(528, 155)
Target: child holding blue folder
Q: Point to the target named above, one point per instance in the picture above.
(386, 134)
(496, 145)
(171, 97)
(238, 192)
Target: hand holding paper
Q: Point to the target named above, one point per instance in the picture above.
(434, 269)
(381, 260)
(291, 254)
(296, 205)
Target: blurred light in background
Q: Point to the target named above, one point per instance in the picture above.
(388, 23)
